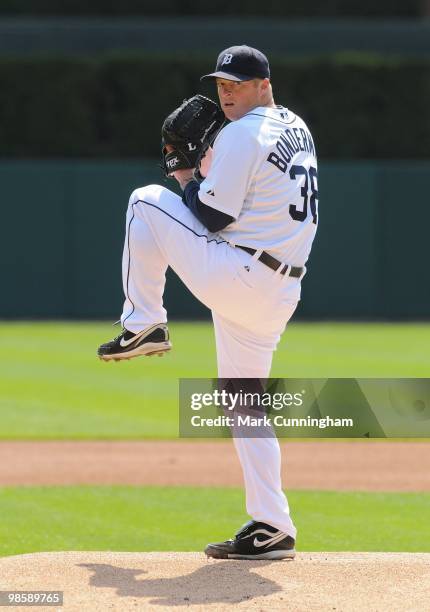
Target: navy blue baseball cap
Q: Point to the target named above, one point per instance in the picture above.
(240, 63)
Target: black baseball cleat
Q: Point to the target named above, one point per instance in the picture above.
(153, 340)
(255, 540)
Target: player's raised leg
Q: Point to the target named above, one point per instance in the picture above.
(161, 231)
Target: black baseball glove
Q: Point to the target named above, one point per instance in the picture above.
(188, 132)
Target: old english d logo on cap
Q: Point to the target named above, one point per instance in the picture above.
(240, 63)
(227, 59)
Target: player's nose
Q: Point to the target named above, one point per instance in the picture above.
(226, 89)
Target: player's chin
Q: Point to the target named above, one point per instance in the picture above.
(233, 113)
(230, 112)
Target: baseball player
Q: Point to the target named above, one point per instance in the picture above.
(239, 240)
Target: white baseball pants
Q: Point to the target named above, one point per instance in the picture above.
(250, 303)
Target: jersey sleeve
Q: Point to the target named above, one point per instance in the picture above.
(233, 164)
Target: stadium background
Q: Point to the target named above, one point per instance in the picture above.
(84, 94)
(83, 91)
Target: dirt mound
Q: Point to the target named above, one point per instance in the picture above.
(100, 581)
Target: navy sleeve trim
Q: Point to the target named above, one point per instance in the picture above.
(214, 220)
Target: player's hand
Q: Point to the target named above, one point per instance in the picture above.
(182, 176)
(206, 162)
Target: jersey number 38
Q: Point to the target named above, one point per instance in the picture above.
(310, 181)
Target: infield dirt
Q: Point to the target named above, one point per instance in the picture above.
(355, 466)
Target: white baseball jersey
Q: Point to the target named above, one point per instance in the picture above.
(264, 175)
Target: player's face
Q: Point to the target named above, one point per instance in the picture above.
(238, 98)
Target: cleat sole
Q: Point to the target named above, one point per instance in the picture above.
(140, 351)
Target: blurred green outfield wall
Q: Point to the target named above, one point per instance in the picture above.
(74, 35)
(63, 227)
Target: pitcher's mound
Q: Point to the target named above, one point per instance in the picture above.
(101, 581)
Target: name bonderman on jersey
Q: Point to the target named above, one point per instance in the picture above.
(246, 420)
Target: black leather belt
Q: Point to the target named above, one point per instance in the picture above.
(273, 263)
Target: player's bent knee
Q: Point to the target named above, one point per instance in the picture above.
(153, 194)
(150, 193)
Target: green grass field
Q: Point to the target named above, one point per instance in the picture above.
(52, 386)
(184, 519)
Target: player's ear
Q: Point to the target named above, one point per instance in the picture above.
(265, 84)
(261, 85)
